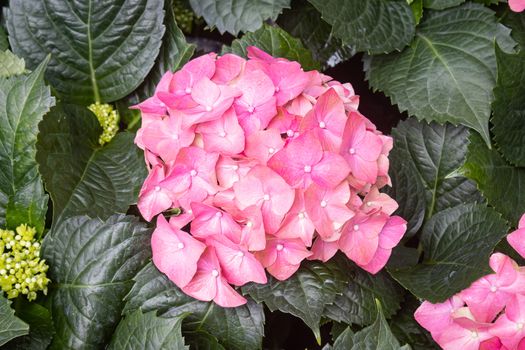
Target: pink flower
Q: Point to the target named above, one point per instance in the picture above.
(510, 326)
(517, 238)
(210, 221)
(227, 68)
(210, 284)
(297, 224)
(282, 257)
(223, 135)
(175, 252)
(323, 250)
(517, 5)
(436, 318)
(263, 144)
(154, 196)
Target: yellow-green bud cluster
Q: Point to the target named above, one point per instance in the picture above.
(21, 269)
(183, 16)
(108, 119)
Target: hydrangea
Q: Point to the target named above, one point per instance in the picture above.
(108, 119)
(21, 269)
(268, 165)
(490, 314)
(517, 5)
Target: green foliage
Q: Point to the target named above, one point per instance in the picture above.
(373, 26)
(498, 181)
(457, 243)
(276, 42)
(441, 4)
(41, 328)
(4, 45)
(10, 64)
(92, 263)
(100, 51)
(206, 325)
(95, 181)
(24, 100)
(448, 72)
(10, 325)
(236, 16)
(149, 332)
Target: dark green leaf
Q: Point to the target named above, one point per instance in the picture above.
(304, 22)
(92, 263)
(148, 331)
(303, 295)
(201, 340)
(235, 328)
(436, 153)
(10, 64)
(376, 336)
(4, 44)
(448, 72)
(93, 180)
(373, 26)
(10, 325)
(277, 43)
(441, 4)
(100, 50)
(23, 102)
(417, 10)
(236, 16)
(499, 182)
(356, 305)
(509, 106)
(41, 328)
(516, 22)
(407, 330)
(457, 243)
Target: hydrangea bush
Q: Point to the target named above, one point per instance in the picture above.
(243, 174)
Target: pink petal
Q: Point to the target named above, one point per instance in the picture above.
(227, 296)
(210, 221)
(227, 68)
(322, 250)
(263, 144)
(517, 240)
(223, 135)
(330, 171)
(517, 5)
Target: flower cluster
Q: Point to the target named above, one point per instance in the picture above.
(490, 314)
(270, 165)
(21, 270)
(517, 5)
(108, 119)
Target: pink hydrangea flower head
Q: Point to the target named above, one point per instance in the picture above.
(517, 238)
(282, 257)
(517, 5)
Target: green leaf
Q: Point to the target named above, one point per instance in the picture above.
(235, 328)
(356, 305)
(4, 44)
(23, 102)
(441, 4)
(448, 72)
(417, 10)
(10, 64)
(277, 43)
(457, 243)
(93, 180)
(509, 107)
(516, 22)
(373, 26)
(303, 295)
(41, 328)
(92, 263)
(407, 330)
(148, 331)
(376, 336)
(435, 153)
(10, 325)
(236, 16)
(304, 22)
(100, 50)
(201, 340)
(498, 181)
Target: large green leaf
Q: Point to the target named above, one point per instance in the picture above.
(10, 325)
(93, 180)
(436, 153)
(235, 328)
(148, 332)
(92, 263)
(509, 106)
(448, 72)
(499, 182)
(303, 295)
(41, 328)
(304, 22)
(441, 4)
(457, 243)
(356, 305)
(10, 64)
(516, 22)
(277, 43)
(100, 50)
(236, 16)
(373, 26)
(4, 45)
(376, 336)
(23, 102)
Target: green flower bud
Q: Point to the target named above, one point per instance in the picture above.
(108, 119)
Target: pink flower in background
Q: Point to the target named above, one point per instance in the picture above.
(517, 238)
(517, 5)
(270, 165)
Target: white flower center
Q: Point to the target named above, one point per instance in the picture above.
(240, 254)
(279, 247)
(188, 90)
(356, 227)
(351, 150)
(222, 134)
(323, 204)
(271, 150)
(266, 197)
(218, 214)
(235, 167)
(322, 125)
(301, 215)
(277, 89)
(307, 168)
(493, 289)
(214, 273)
(208, 108)
(157, 188)
(289, 132)
(180, 245)
(251, 109)
(193, 172)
